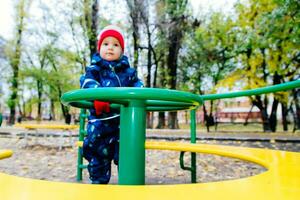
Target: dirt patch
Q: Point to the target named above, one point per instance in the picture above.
(41, 159)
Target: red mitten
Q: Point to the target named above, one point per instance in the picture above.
(101, 107)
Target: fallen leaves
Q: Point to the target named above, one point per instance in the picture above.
(45, 161)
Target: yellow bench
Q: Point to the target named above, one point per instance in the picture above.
(281, 181)
(5, 154)
(36, 127)
(47, 126)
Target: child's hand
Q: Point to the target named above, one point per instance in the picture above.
(101, 106)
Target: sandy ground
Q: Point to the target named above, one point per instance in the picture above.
(41, 158)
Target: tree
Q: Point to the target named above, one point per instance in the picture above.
(269, 38)
(136, 8)
(49, 65)
(90, 23)
(15, 56)
(176, 21)
(207, 58)
(38, 74)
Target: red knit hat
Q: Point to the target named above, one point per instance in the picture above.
(112, 31)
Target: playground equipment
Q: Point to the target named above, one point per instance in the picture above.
(135, 102)
(280, 181)
(47, 126)
(1, 118)
(67, 130)
(5, 154)
(82, 134)
(160, 106)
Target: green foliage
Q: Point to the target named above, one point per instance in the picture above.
(257, 47)
(271, 32)
(208, 53)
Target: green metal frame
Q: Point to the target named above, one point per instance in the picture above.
(258, 91)
(192, 168)
(81, 135)
(134, 103)
(1, 118)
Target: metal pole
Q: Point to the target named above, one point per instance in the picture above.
(1, 119)
(132, 143)
(193, 140)
(82, 117)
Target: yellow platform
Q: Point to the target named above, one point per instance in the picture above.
(280, 182)
(47, 126)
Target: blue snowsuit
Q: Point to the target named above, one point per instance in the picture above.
(101, 145)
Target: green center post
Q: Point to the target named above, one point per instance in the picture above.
(132, 143)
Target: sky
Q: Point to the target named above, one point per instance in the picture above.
(7, 12)
(6, 21)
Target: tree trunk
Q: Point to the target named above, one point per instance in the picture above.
(134, 10)
(161, 120)
(24, 113)
(15, 61)
(64, 109)
(13, 98)
(94, 27)
(186, 116)
(294, 117)
(284, 112)
(263, 112)
(52, 110)
(205, 117)
(136, 44)
(149, 60)
(296, 94)
(91, 23)
(161, 115)
(177, 24)
(273, 116)
(248, 116)
(149, 119)
(265, 119)
(39, 111)
(30, 109)
(172, 75)
(173, 121)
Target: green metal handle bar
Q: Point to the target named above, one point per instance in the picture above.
(122, 95)
(153, 105)
(133, 119)
(258, 91)
(181, 161)
(193, 167)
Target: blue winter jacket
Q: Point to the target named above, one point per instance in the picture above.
(102, 73)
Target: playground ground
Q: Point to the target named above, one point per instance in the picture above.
(41, 158)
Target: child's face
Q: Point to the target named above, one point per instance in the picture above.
(110, 49)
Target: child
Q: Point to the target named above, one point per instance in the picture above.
(109, 68)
